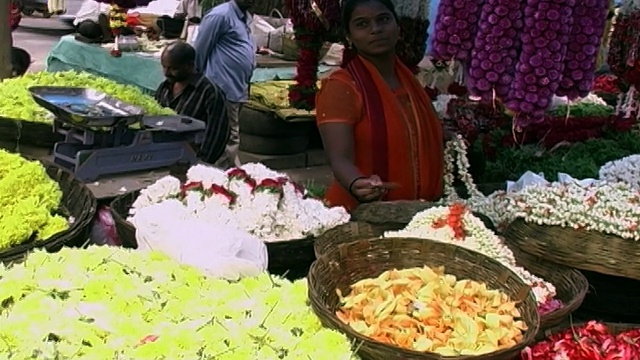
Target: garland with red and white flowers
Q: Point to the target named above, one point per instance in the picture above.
(603, 206)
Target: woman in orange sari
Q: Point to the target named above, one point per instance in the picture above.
(382, 136)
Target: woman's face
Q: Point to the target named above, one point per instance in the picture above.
(373, 30)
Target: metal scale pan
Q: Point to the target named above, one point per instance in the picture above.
(99, 140)
(85, 108)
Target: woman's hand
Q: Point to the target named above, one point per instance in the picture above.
(370, 189)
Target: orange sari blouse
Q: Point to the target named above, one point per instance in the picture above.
(397, 134)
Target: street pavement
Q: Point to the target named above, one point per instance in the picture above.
(38, 35)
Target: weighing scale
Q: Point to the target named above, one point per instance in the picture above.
(105, 136)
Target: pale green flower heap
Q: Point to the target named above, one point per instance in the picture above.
(109, 303)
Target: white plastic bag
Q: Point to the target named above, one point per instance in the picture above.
(217, 250)
(260, 29)
(276, 36)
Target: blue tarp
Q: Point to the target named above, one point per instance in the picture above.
(433, 10)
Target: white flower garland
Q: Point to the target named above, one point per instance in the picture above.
(611, 208)
(626, 170)
(252, 198)
(477, 238)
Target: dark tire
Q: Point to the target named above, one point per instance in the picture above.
(260, 123)
(46, 14)
(261, 145)
(27, 12)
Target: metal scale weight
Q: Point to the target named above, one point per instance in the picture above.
(105, 136)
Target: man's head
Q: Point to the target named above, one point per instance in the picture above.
(244, 5)
(178, 61)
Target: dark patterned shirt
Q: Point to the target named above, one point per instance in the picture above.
(204, 101)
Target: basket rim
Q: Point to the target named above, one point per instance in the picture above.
(74, 229)
(619, 248)
(319, 306)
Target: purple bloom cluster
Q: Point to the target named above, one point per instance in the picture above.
(455, 29)
(495, 51)
(589, 21)
(541, 64)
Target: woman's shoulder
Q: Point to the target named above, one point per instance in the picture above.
(340, 76)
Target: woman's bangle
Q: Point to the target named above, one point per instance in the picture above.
(353, 183)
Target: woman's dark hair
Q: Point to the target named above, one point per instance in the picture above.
(20, 61)
(350, 5)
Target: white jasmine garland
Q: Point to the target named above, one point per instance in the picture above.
(477, 238)
(611, 208)
(626, 170)
(253, 198)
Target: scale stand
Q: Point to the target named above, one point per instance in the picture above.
(105, 136)
(91, 155)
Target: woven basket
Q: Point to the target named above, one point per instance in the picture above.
(77, 202)
(290, 258)
(350, 232)
(395, 215)
(585, 250)
(21, 132)
(351, 262)
(571, 286)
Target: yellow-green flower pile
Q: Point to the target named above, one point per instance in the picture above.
(16, 101)
(110, 303)
(29, 199)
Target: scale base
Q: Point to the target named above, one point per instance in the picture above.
(91, 164)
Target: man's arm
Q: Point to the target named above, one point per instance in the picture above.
(217, 129)
(209, 32)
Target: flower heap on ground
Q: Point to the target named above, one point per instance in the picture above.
(625, 170)
(611, 208)
(456, 225)
(251, 198)
(112, 303)
(29, 200)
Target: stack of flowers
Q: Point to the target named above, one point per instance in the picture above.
(610, 208)
(591, 341)
(112, 303)
(625, 170)
(455, 224)
(253, 198)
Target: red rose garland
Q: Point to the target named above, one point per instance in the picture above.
(311, 23)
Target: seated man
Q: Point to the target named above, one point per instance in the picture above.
(191, 94)
(92, 23)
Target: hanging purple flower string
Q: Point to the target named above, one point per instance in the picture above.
(455, 29)
(541, 63)
(589, 20)
(496, 49)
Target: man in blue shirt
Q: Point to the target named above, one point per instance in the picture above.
(226, 54)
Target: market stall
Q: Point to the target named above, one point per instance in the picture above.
(142, 68)
(536, 201)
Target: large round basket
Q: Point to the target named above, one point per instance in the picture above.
(362, 229)
(585, 250)
(395, 215)
(571, 286)
(351, 262)
(349, 232)
(290, 258)
(77, 203)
